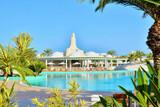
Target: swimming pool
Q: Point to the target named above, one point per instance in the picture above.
(89, 81)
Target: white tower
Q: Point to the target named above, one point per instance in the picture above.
(73, 47)
(73, 42)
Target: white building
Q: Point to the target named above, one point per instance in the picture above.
(74, 58)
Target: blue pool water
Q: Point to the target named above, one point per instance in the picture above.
(90, 81)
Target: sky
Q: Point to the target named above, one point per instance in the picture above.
(51, 23)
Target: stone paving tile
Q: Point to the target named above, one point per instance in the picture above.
(24, 97)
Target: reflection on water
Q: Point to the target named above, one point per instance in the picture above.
(88, 81)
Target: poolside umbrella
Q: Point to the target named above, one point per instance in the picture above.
(76, 63)
(51, 63)
(62, 63)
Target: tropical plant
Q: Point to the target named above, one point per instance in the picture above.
(42, 54)
(21, 59)
(146, 89)
(111, 52)
(149, 56)
(7, 58)
(152, 8)
(37, 67)
(140, 54)
(104, 102)
(57, 100)
(26, 55)
(132, 57)
(136, 55)
(146, 92)
(5, 95)
(47, 52)
(8, 62)
(23, 54)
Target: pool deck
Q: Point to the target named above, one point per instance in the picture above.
(24, 94)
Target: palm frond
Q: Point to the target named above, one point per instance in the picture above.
(155, 2)
(150, 7)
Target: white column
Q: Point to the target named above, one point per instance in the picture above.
(88, 64)
(126, 61)
(105, 63)
(117, 62)
(46, 63)
(84, 65)
(102, 63)
(111, 63)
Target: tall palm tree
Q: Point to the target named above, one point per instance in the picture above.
(132, 57)
(48, 52)
(111, 52)
(152, 8)
(149, 56)
(25, 53)
(20, 57)
(136, 55)
(140, 54)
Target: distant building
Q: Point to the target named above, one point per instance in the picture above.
(76, 59)
(73, 50)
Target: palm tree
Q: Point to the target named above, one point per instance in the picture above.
(26, 54)
(152, 8)
(136, 55)
(132, 57)
(140, 54)
(111, 52)
(149, 56)
(37, 67)
(42, 54)
(20, 58)
(48, 52)
(7, 58)
(9, 62)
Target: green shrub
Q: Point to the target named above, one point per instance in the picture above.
(5, 95)
(57, 100)
(107, 101)
(146, 87)
(37, 67)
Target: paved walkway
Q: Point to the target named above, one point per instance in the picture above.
(24, 94)
(24, 98)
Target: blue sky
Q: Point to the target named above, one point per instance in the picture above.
(51, 22)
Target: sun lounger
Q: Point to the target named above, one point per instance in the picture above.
(95, 98)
